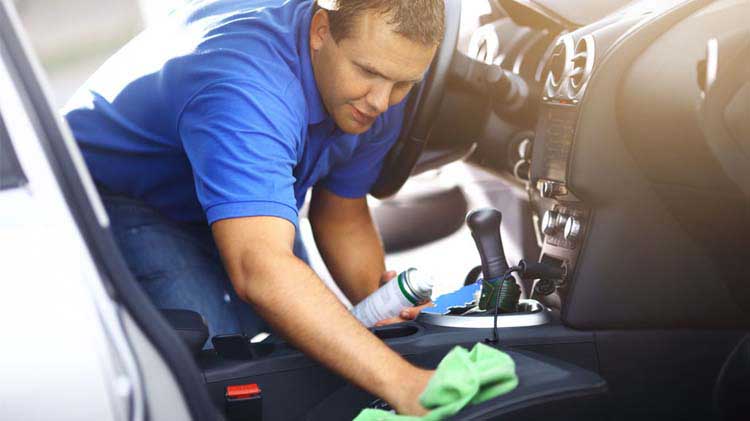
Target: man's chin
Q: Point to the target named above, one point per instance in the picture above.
(352, 126)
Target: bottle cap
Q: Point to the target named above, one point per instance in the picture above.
(421, 283)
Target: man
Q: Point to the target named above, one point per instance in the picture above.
(224, 116)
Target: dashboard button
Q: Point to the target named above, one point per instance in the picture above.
(551, 189)
(572, 230)
(550, 222)
(562, 219)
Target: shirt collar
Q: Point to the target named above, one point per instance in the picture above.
(316, 111)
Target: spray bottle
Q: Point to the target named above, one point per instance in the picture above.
(409, 288)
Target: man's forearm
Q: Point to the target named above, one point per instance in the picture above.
(299, 306)
(349, 243)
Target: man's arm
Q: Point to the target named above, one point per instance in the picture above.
(351, 248)
(257, 253)
(348, 242)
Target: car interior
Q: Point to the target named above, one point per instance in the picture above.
(607, 147)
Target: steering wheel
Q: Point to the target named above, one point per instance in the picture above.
(421, 110)
(728, 57)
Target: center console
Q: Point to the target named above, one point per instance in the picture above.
(556, 366)
(561, 216)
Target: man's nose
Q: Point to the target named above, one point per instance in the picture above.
(379, 97)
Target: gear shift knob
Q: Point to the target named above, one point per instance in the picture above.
(485, 228)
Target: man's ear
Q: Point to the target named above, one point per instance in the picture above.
(320, 29)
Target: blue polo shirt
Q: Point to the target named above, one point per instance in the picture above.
(214, 113)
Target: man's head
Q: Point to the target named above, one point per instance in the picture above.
(368, 54)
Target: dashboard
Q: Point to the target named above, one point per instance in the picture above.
(607, 115)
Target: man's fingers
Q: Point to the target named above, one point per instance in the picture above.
(406, 314)
(425, 305)
(411, 313)
(390, 321)
(387, 276)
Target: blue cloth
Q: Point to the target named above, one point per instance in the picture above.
(459, 298)
(215, 113)
(179, 267)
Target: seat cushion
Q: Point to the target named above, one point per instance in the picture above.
(733, 384)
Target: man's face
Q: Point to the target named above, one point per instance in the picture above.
(365, 73)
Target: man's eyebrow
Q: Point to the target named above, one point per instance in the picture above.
(379, 73)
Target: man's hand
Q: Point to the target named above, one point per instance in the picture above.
(409, 313)
(412, 390)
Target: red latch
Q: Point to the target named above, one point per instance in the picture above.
(242, 391)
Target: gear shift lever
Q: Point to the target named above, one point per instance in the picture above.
(485, 228)
(496, 287)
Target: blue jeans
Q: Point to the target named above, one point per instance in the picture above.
(179, 266)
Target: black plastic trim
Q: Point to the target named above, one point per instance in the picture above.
(11, 174)
(110, 264)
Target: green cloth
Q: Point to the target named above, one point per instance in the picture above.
(461, 378)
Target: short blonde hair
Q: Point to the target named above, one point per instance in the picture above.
(418, 20)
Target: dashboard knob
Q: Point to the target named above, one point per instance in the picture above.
(524, 149)
(521, 170)
(550, 189)
(572, 229)
(549, 222)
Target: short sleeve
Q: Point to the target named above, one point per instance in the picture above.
(355, 177)
(243, 142)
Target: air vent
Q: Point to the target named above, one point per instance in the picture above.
(583, 64)
(557, 63)
(484, 44)
(558, 68)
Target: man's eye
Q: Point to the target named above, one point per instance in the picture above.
(367, 72)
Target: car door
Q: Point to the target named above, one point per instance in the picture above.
(79, 339)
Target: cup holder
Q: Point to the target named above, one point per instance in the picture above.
(395, 331)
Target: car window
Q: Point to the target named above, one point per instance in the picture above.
(11, 175)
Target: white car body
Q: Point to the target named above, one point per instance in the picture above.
(70, 351)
